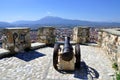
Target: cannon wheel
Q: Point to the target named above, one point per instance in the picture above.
(55, 55)
(78, 56)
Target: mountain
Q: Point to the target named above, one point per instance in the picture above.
(22, 22)
(54, 20)
(5, 24)
(61, 22)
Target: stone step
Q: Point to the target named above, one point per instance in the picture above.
(4, 52)
(37, 45)
(62, 42)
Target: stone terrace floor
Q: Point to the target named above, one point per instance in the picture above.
(37, 65)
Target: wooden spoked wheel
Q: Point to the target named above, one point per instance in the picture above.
(78, 56)
(55, 55)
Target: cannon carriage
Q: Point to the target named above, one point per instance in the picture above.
(65, 57)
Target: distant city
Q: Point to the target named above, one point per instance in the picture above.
(59, 34)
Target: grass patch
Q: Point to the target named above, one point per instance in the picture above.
(115, 66)
(118, 76)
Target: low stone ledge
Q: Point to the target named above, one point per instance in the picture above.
(37, 45)
(62, 42)
(4, 52)
(115, 31)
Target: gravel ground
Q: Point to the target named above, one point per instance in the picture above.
(37, 65)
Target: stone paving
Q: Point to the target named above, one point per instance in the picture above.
(37, 65)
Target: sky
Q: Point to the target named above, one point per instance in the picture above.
(89, 10)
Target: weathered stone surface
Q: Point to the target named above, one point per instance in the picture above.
(16, 39)
(99, 38)
(109, 40)
(81, 34)
(37, 65)
(46, 35)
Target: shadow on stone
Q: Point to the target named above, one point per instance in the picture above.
(28, 56)
(86, 72)
(6, 56)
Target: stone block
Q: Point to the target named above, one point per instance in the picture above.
(46, 35)
(110, 42)
(16, 39)
(81, 34)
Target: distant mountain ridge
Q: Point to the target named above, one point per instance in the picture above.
(53, 20)
(5, 24)
(57, 21)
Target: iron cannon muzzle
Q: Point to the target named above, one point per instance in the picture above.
(67, 54)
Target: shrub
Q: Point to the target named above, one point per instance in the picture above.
(115, 66)
(118, 76)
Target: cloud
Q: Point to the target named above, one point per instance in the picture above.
(48, 13)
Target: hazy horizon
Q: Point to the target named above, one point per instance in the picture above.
(88, 10)
(62, 18)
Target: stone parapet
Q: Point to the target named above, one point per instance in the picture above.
(46, 35)
(16, 39)
(81, 34)
(109, 40)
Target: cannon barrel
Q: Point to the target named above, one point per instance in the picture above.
(67, 54)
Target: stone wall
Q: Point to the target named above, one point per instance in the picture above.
(109, 40)
(46, 35)
(16, 39)
(81, 34)
(1, 33)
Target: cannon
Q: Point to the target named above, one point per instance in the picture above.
(65, 57)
